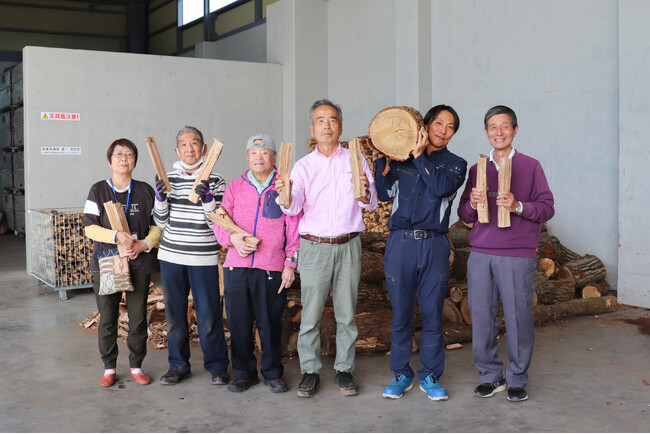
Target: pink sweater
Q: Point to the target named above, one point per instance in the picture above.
(261, 216)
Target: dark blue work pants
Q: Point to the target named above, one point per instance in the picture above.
(204, 282)
(252, 295)
(417, 266)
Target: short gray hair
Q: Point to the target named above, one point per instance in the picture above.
(189, 129)
(327, 102)
(501, 110)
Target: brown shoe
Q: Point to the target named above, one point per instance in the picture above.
(141, 378)
(107, 380)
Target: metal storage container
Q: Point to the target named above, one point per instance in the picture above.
(60, 252)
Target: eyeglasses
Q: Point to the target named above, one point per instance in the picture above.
(128, 156)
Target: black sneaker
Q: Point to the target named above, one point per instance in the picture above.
(308, 385)
(487, 390)
(174, 377)
(239, 385)
(516, 394)
(346, 383)
(277, 386)
(220, 378)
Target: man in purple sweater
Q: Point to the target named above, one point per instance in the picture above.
(503, 260)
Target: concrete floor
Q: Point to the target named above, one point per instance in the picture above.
(587, 375)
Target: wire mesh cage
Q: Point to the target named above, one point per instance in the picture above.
(60, 252)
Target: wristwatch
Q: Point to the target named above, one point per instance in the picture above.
(519, 209)
(293, 259)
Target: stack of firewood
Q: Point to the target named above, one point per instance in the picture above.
(61, 252)
(157, 329)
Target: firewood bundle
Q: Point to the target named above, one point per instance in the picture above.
(157, 324)
(61, 252)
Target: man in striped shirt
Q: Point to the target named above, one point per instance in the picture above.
(188, 256)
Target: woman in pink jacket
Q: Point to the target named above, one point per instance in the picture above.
(255, 276)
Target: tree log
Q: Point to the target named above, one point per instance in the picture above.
(458, 333)
(549, 247)
(459, 265)
(458, 292)
(394, 131)
(564, 287)
(544, 290)
(586, 270)
(548, 267)
(464, 311)
(590, 291)
(459, 235)
(450, 312)
(372, 270)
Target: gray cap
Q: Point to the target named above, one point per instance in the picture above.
(268, 142)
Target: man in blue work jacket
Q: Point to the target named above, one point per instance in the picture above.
(417, 251)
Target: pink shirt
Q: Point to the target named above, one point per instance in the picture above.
(323, 191)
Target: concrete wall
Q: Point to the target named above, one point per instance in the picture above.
(135, 96)
(248, 45)
(634, 158)
(559, 72)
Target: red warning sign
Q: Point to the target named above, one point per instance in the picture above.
(58, 116)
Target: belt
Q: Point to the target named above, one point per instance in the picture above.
(341, 239)
(419, 234)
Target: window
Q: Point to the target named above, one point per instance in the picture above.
(193, 9)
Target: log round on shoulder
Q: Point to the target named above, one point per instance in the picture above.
(394, 131)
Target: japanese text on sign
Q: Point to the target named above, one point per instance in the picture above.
(60, 150)
(58, 116)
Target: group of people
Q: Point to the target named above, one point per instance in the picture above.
(318, 232)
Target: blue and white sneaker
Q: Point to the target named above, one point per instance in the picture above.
(434, 390)
(396, 389)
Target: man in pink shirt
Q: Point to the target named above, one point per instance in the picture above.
(330, 246)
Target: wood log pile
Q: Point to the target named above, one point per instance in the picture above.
(566, 284)
(61, 252)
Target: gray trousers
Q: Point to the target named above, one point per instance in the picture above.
(323, 266)
(513, 279)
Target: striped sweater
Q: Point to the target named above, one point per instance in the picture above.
(187, 237)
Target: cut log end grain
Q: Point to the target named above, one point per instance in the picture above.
(394, 131)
